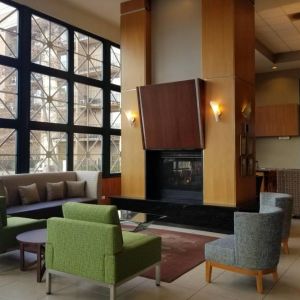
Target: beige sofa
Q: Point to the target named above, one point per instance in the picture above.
(45, 209)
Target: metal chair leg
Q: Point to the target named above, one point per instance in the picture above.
(48, 283)
(157, 274)
(112, 292)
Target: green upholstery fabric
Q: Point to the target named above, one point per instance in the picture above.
(15, 226)
(79, 247)
(139, 252)
(106, 214)
(95, 250)
(3, 218)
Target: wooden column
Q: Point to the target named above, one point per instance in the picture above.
(135, 46)
(228, 66)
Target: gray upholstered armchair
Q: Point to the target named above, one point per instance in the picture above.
(285, 202)
(254, 249)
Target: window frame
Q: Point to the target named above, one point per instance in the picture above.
(23, 125)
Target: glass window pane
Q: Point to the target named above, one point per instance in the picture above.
(49, 99)
(8, 92)
(49, 43)
(115, 154)
(88, 56)
(115, 65)
(48, 151)
(9, 17)
(88, 105)
(7, 151)
(115, 110)
(87, 152)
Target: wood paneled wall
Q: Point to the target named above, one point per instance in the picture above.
(228, 66)
(135, 43)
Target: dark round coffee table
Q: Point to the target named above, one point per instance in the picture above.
(33, 241)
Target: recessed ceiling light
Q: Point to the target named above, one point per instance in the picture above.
(274, 67)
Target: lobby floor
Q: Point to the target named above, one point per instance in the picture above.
(17, 285)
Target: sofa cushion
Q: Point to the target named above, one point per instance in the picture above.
(75, 189)
(55, 190)
(23, 209)
(3, 217)
(29, 193)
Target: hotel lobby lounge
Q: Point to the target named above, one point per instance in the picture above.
(183, 115)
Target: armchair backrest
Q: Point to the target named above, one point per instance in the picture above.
(104, 214)
(258, 238)
(283, 201)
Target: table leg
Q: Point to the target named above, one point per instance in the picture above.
(39, 263)
(22, 259)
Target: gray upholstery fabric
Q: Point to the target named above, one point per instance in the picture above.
(283, 201)
(256, 241)
(93, 183)
(221, 250)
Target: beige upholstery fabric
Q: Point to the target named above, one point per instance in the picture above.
(11, 182)
(75, 189)
(93, 183)
(55, 190)
(29, 194)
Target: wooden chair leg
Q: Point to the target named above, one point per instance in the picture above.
(259, 282)
(285, 246)
(208, 271)
(275, 276)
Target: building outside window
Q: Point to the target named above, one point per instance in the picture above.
(60, 100)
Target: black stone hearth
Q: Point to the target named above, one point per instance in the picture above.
(204, 217)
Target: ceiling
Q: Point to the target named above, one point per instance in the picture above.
(277, 34)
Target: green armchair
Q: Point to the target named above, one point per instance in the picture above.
(10, 227)
(89, 243)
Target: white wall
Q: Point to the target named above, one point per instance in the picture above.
(278, 88)
(76, 17)
(176, 40)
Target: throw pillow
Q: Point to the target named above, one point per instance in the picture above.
(3, 217)
(75, 189)
(29, 193)
(55, 190)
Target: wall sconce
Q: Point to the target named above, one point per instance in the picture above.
(216, 108)
(131, 117)
(246, 110)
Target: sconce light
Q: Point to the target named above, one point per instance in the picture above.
(216, 108)
(130, 115)
(246, 110)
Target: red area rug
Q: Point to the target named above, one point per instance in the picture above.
(181, 252)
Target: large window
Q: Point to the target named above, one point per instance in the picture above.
(60, 100)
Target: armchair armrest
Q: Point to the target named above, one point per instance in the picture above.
(93, 183)
(79, 247)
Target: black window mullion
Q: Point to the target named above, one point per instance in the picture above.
(23, 137)
(106, 111)
(23, 64)
(70, 151)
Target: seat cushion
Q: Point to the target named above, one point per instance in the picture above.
(15, 226)
(221, 250)
(19, 209)
(147, 248)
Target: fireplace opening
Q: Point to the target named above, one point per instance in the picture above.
(175, 176)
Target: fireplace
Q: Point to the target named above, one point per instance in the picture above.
(175, 176)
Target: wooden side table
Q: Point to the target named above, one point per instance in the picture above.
(33, 241)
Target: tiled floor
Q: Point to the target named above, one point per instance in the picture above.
(17, 285)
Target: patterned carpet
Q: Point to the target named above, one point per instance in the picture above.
(181, 252)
